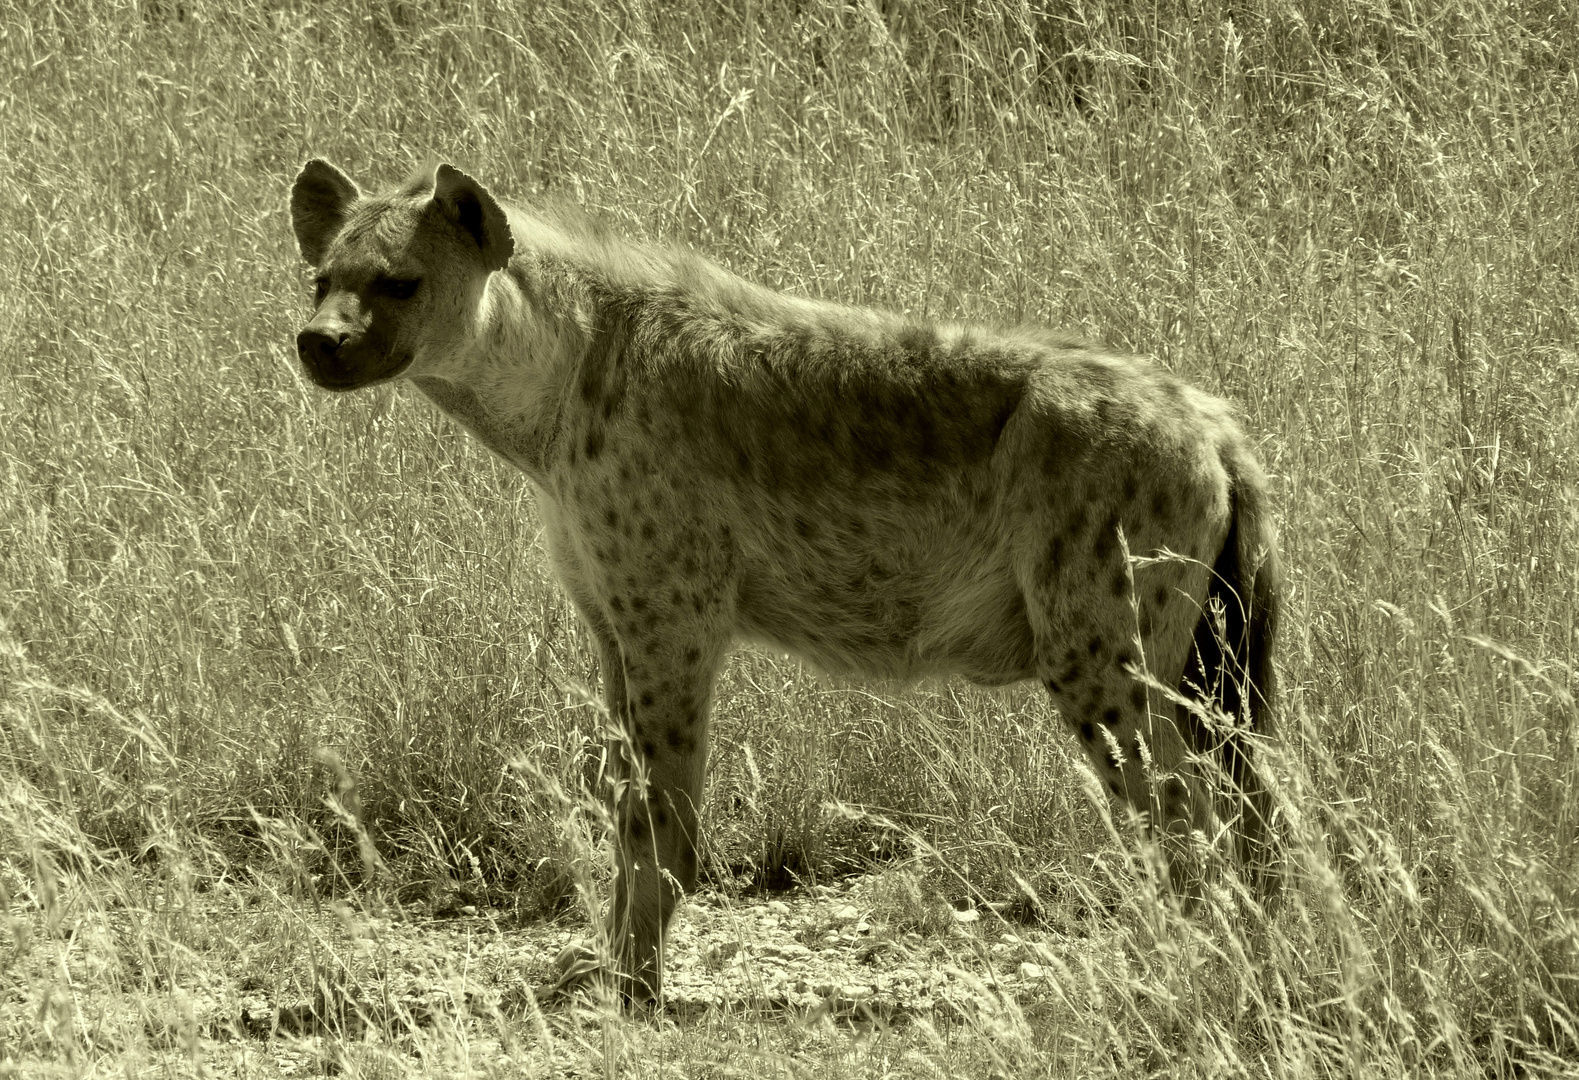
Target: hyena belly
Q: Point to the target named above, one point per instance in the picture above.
(860, 586)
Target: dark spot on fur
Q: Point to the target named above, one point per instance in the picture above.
(646, 699)
(1095, 646)
(698, 602)
(1161, 505)
(1088, 731)
(1120, 584)
(1114, 764)
(1111, 716)
(1079, 518)
(1114, 789)
(804, 528)
(649, 531)
(1137, 698)
(616, 605)
(639, 604)
(1131, 489)
(1123, 658)
(637, 829)
(1107, 539)
(594, 443)
(693, 656)
(675, 597)
(660, 818)
(676, 739)
(1093, 698)
(649, 749)
(611, 518)
(1160, 597)
(1055, 552)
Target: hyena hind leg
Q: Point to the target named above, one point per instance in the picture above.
(1137, 750)
(1106, 638)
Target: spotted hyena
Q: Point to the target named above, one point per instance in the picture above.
(880, 495)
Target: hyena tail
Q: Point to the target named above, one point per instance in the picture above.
(1230, 671)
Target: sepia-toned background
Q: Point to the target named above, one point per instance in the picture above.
(257, 633)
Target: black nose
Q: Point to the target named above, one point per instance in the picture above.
(318, 347)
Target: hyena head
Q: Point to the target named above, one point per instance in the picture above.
(401, 276)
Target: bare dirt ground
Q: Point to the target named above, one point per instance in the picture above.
(242, 980)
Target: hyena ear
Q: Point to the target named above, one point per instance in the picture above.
(465, 202)
(320, 200)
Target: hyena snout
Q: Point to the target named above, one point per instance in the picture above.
(319, 350)
(335, 360)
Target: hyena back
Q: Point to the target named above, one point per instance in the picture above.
(717, 461)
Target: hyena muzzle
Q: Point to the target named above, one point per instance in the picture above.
(716, 461)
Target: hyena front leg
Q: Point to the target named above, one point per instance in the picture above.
(668, 682)
(661, 616)
(658, 688)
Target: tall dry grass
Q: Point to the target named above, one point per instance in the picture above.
(233, 606)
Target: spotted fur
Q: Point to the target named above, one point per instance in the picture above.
(716, 461)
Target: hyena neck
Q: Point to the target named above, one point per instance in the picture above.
(506, 393)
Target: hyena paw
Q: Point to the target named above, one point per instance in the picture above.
(577, 967)
(582, 967)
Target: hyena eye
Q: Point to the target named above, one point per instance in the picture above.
(320, 289)
(399, 288)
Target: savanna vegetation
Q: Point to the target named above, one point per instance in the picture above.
(257, 635)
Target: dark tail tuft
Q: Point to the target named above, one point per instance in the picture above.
(1231, 670)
